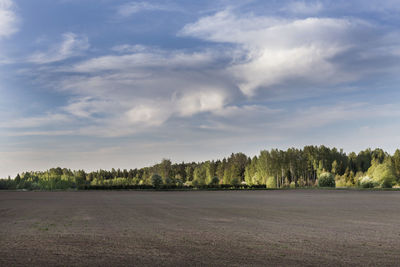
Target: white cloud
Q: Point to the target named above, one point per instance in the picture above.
(247, 111)
(131, 8)
(201, 101)
(139, 87)
(72, 45)
(144, 59)
(321, 116)
(37, 121)
(304, 8)
(276, 50)
(8, 19)
(126, 48)
(87, 107)
(123, 94)
(152, 114)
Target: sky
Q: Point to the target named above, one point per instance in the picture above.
(90, 84)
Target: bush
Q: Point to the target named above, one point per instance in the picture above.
(271, 182)
(214, 181)
(292, 185)
(326, 179)
(367, 182)
(383, 174)
(168, 181)
(340, 182)
(195, 183)
(156, 181)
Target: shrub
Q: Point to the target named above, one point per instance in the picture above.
(292, 185)
(301, 182)
(383, 173)
(179, 182)
(156, 181)
(195, 183)
(340, 181)
(271, 182)
(367, 182)
(214, 181)
(168, 181)
(326, 179)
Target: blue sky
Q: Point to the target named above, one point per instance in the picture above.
(89, 84)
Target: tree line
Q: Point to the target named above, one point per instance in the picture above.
(308, 167)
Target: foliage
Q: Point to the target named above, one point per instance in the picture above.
(271, 182)
(214, 181)
(383, 173)
(367, 182)
(156, 181)
(271, 168)
(326, 179)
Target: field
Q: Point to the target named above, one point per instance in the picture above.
(202, 228)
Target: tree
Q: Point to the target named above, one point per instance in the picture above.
(234, 171)
(382, 173)
(210, 169)
(199, 175)
(250, 173)
(274, 168)
(17, 179)
(189, 172)
(164, 169)
(264, 167)
(271, 182)
(214, 181)
(221, 170)
(334, 168)
(326, 179)
(156, 181)
(396, 164)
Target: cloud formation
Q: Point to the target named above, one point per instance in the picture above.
(277, 51)
(8, 19)
(137, 87)
(304, 7)
(216, 78)
(72, 45)
(131, 8)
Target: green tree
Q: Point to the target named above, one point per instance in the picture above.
(396, 164)
(334, 168)
(326, 179)
(156, 181)
(17, 179)
(271, 182)
(383, 173)
(199, 175)
(214, 181)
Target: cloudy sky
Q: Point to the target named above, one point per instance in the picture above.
(109, 83)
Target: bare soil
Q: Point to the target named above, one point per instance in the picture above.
(200, 228)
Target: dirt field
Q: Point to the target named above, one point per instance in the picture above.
(205, 228)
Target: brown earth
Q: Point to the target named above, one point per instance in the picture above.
(200, 228)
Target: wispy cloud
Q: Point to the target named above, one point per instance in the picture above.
(36, 121)
(277, 51)
(304, 7)
(141, 88)
(126, 48)
(71, 45)
(239, 76)
(131, 8)
(8, 19)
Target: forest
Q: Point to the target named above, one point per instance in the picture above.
(312, 166)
